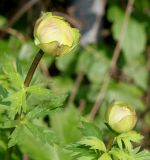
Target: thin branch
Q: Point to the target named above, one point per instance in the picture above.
(44, 68)
(113, 63)
(21, 11)
(25, 157)
(122, 35)
(81, 106)
(75, 87)
(14, 32)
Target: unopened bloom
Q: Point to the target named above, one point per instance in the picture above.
(121, 117)
(54, 35)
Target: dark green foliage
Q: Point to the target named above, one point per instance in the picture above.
(38, 120)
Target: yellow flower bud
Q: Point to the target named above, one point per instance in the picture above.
(54, 35)
(121, 117)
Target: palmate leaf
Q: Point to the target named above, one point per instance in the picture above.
(3, 91)
(94, 143)
(9, 123)
(38, 142)
(38, 111)
(39, 91)
(118, 154)
(30, 143)
(105, 156)
(14, 78)
(18, 102)
(89, 129)
(143, 155)
(42, 109)
(125, 139)
(15, 137)
(42, 133)
(85, 158)
(42, 94)
(3, 108)
(81, 152)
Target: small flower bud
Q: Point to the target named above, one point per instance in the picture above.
(121, 117)
(54, 35)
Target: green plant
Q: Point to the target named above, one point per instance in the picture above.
(22, 104)
(120, 146)
(40, 119)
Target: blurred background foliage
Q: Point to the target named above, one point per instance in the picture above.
(81, 75)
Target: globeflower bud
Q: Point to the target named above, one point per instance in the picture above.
(121, 117)
(54, 35)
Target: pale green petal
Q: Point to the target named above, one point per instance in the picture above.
(54, 35)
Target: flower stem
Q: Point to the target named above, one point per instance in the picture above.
(8, 153)
(33, 68)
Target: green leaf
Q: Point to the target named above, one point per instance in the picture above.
(114, 13)
(127, 144)
(3, 21)
(65, 124)
(143, 155)
(43, 94)
(46, 106)
(38, 91)
(61, 84)
(15, 137)
(27, 51)
(3, 145)
(79, 152)
(16, 80)
(42, 133)
(118, 154)
(34, 140)
(125, 139)
(9, 124)
(63, 63)
(97, 71)
(39, 143)
(3, 108)
(105, 156)
(132, 136)
(19, 66)
(3, 91)
(89, 129)
(125, 92)
(85, 61)
(141, 77)
(40, 111)
(18, 101)
(34, 147)
(93, 143)
(86, 158)
(3, 50)
(135, 35)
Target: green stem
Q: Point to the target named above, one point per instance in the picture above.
(8, 153)
(110, 143)
(33, 68)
